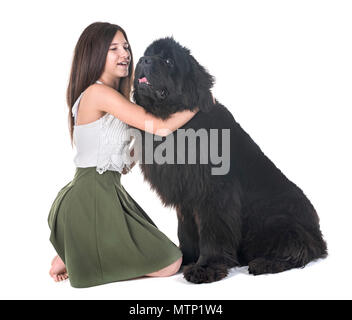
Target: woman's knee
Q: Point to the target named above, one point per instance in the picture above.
(167, 271)
(175, 267)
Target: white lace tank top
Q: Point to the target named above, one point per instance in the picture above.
(103, 143)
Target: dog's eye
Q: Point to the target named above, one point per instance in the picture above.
(169, 62)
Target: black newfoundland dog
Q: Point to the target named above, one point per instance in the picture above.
(250, 215)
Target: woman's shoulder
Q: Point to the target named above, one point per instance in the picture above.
(96, 88)
(104, 98)
(89, 108)
(93, 90)
(97, 93)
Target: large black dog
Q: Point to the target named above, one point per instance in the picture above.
(251, 215)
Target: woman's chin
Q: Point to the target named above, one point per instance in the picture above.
(122, 74)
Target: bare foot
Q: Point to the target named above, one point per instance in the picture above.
(58, 270)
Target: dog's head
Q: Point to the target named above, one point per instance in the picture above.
(168, 79)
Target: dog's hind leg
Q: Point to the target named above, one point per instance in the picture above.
(219, 230)
(285, 246)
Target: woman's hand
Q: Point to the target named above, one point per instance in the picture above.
(126, 169)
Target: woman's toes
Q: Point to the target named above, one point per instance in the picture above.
(58, 270)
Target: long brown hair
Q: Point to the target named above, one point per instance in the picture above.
(89, 61)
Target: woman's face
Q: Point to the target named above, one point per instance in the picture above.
(118, 57)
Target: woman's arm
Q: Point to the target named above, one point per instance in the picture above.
(109, 100)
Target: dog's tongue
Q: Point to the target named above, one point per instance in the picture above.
(144, 79)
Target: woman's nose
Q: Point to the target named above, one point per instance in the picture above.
(124, 53)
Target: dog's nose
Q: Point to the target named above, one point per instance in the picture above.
(145, 60)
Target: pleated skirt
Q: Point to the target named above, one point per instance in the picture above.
(102, 234)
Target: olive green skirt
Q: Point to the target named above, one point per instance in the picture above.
(102, 234)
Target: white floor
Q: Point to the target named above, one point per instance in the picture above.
(320, 280)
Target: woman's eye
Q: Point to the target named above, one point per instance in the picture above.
(125, 47)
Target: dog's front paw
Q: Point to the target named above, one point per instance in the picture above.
(204, 273)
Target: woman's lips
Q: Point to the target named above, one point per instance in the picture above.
(123, 64)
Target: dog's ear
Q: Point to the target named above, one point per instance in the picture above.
(203, 81)
(205, 100)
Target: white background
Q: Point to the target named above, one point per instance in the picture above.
(283, 68)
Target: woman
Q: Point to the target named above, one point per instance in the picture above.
(100, 233)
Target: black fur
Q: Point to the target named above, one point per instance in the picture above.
(251, 216)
